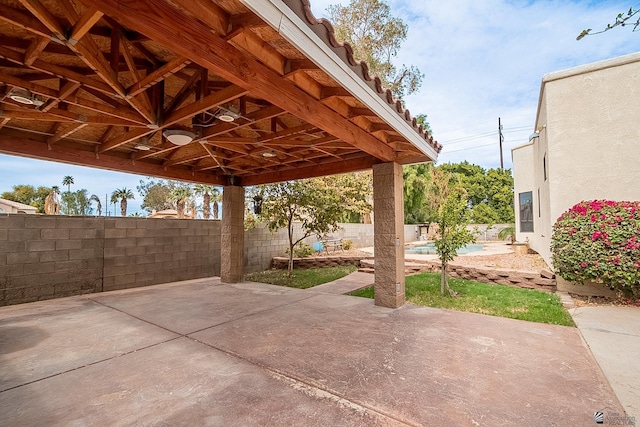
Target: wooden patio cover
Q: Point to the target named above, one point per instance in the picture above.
(99, 82)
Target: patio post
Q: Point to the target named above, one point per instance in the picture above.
(232, 235)
(388, 228)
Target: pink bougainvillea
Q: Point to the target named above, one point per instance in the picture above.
(599, 240)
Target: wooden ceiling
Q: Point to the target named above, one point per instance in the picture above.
(98, 82)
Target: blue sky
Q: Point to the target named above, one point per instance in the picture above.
(481, 59)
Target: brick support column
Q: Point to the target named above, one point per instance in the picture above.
(232, 235)
(388, 228)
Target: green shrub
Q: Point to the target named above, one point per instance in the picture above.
(302, 250)
(347, 244)
(599, 241)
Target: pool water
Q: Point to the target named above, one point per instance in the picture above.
(429, 248)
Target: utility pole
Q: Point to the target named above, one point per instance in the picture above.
(501, 141)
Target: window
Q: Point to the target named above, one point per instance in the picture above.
(544, 166)
(539, 211)
(526, 212)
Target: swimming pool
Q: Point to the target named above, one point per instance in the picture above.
(429, 248)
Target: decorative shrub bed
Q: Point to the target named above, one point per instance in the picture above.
(599, 241)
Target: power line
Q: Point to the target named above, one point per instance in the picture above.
(484, 135)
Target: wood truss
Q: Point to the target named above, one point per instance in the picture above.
(98, 82)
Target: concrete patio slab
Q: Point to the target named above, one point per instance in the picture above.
(190, 306)
(426, 366)
(180, 382)
(613, 335)
(265, 355)
(48, 338)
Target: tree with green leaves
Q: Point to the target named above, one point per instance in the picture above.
(631, 18)
(96, 199)
(156, 194)
(489, 192)
(317, 203)
(123, 194)
(417, 179)
(29, 195)
(448, 200)
(376, 37)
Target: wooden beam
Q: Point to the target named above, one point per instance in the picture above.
(207, 11)
(55, 70)
(213, 100)
(328, 92)
(35, 48)
(63, 133)
(159, 74)
(24, 21)
(84, 24)
(323, 169)
(18, 143)
(45, 17)
(286, 132)
(252, 118)
(194, 40)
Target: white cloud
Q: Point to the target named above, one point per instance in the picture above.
(482, 60)
(485, 59)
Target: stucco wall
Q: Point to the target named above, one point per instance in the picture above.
(587, 121)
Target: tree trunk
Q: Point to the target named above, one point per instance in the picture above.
(216, 210)
(180, 208)
(443, 277)
(290, 229)
(123, 207)
(206, 208)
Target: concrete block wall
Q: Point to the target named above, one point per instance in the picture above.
(143, 251)
(44, 257)
(261, 246)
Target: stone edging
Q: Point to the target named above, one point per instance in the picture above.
(317, 262)
(518, 278)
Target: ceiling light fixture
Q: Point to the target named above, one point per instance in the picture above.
(226, 115)
(178, 136)
(142, 147)
(25, 97)
(268, 154)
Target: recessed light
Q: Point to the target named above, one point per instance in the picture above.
(269, 154)
(142, 147)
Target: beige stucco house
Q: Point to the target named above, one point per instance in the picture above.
(586, 146)
(9, 206)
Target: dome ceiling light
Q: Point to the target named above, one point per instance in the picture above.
(179, 137)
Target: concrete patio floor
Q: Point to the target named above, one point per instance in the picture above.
(205, 353)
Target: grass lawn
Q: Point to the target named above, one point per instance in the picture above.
(301, 279)
(495, 300)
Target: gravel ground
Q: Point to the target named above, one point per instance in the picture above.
(509, 261)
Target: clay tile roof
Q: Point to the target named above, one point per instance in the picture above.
(325, 31)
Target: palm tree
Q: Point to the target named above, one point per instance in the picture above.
(123, 194)
(67, 180)
(216, 197)
(96, 199)
(204, 191)
(508, 233)
(181, 196)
